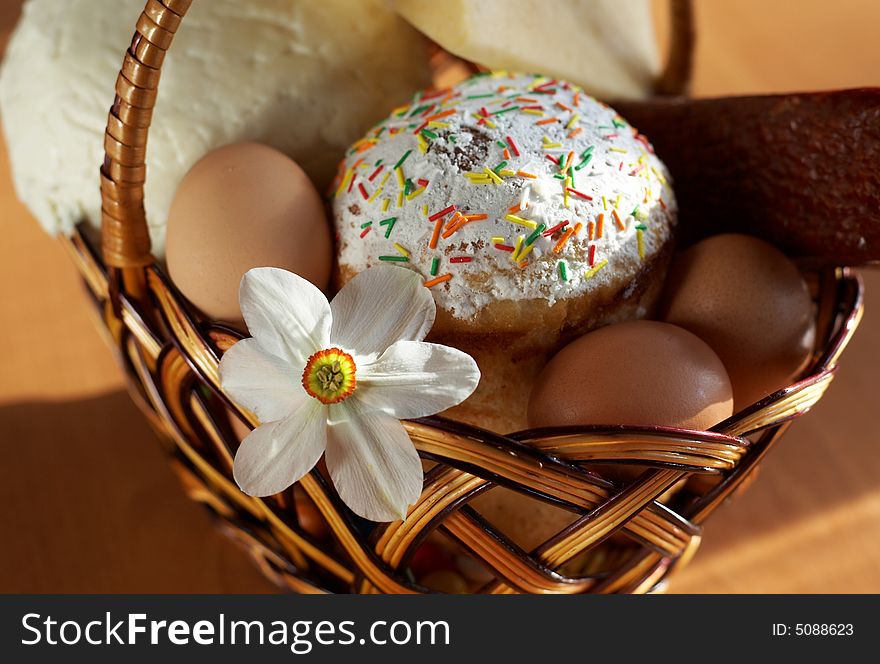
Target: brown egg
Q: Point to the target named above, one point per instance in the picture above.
(242, 206)
(750, 303)
(639, 372)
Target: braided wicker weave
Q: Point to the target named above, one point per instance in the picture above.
(172, 359)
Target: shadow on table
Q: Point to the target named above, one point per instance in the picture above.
(88, 504)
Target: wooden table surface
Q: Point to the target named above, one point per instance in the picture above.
(87, 503)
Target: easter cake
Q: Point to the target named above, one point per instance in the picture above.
(533, 211)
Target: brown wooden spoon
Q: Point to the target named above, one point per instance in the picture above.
(799, 170)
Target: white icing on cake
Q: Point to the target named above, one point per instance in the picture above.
(621, 176)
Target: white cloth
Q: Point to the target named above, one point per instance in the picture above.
(305, 76)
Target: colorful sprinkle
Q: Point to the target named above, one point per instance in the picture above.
(525, 251)
(517, 248)
(535, 234)
(456, 222)
(461, 259)
(435, 236)
(558, 227)
(435, 266)
(402, 159)
(566, 237)
(438, 280)
(479, 178)
(584, 161)
(491, 174)
(440, 116)
(394, 259)
(442, 213)
(346, 181)
(563, 270)
(389, 223)
(519, 220)
(579, 194)
(589, 274)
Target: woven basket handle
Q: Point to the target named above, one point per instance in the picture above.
(125, 238)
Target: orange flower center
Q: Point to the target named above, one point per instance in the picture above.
(330, 376)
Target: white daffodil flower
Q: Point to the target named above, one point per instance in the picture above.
(335, 378)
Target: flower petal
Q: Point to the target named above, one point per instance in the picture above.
(415, 379)
(264, 384)
(380, 306)
(277, 454)
(372, 461)
(288, 315)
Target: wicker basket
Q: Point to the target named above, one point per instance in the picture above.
(171, 358)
